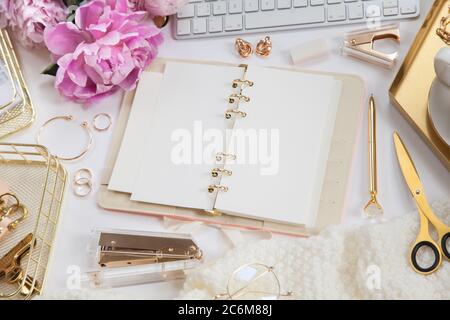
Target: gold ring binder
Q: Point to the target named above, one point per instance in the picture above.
(214, 187)
(216, 171)
(237, 96)
(229, 113)
(242, 83)
(222, 155)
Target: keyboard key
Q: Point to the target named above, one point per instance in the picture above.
(373, 10)
(188, 11)
(268, 19)
(317, 2)
(336, 12)
(233, 22)
(251, 5)
(199, 25)
(267, 5)
(235, 6)
(408, 7)
(203, 10)
(388, 12)
(390, 3)
(334, 1)
(215, 24)
(355, 11)
(219, 7)
(284, 4)
(300, 3)
(183, 27)
(194, 1)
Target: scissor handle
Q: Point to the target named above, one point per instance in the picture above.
(444, 247)
(437, 257)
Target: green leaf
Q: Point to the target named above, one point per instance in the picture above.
(51, 70)
(69, 3)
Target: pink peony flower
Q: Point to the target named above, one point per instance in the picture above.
(107, 48)
(29, 18)
(158, 7)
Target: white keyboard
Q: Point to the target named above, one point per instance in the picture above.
(213, 18)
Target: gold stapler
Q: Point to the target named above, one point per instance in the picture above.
(122, 249)
(360, 44)
(11, 270)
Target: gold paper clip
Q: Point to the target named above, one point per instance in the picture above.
(12, 272)
(360, 44)
(229, 113)
(215, 187)
(237, 97)
(216, 171)
(122, 250)
(18, 209)
(241, 83)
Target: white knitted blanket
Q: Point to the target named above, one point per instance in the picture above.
(368, 261)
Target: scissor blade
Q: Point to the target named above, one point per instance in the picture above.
(407, 166)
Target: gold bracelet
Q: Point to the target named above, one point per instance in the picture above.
(83, 125)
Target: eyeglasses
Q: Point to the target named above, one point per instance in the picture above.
(253, 281)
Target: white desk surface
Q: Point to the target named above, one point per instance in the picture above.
(79, 216)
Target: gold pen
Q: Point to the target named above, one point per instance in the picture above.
(372, 208)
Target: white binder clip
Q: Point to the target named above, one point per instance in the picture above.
(359, 44)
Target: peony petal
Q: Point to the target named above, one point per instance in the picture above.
(110, 39)
(63, 38)
(88, 14)
(129, 83)
(76, 72)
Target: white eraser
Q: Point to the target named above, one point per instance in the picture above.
(312, 50)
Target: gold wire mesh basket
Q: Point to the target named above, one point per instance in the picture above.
(16, 109)
(38, 180)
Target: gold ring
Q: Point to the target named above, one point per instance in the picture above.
(97, 117)
(80, 184)
(83, 125)
(83, 173)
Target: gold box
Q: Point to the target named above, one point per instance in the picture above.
(409, 91)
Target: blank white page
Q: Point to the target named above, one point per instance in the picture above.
(295, 112)
(129, 158)
(176, 166)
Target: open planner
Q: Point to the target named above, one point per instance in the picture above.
(242, 141)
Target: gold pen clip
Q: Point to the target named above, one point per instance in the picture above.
(360, 44)
(121, 250)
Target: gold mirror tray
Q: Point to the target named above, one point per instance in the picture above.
(409, 91)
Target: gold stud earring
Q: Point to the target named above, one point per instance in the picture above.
(244, 48)
(264, 47)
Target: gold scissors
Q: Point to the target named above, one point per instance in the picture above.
(426, 215)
